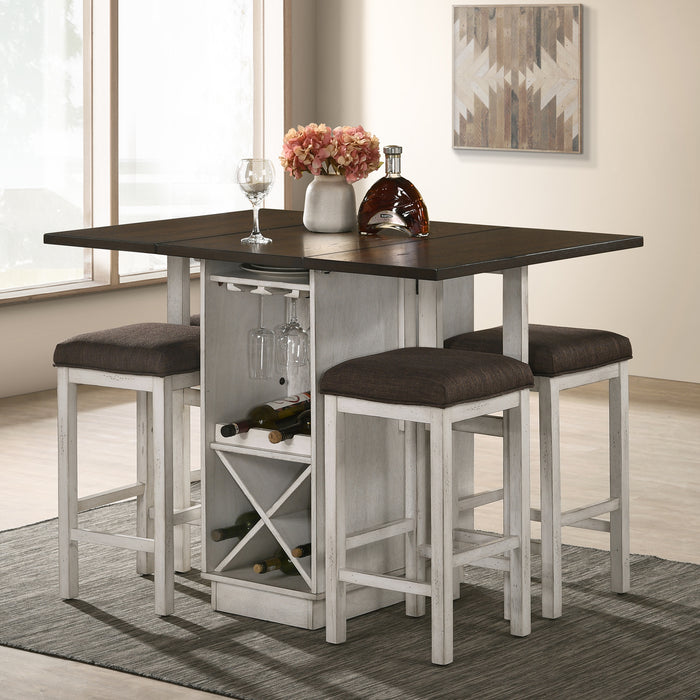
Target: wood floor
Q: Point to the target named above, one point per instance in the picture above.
(664, 477)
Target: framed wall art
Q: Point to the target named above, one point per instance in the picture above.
(517, 77)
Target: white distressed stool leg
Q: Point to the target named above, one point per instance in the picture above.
(441, 526)
(550, 496)
(422, 511)
(517, 438)
(335, 522)
(414, 606)
(163, 494)
(619, 480)
(67, 484)
(506, 512)
(181, 480)
(144, 475)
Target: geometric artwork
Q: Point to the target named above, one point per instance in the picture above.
(517, 77)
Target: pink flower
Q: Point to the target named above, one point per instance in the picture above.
(346, 150)
(306, 149)
(357, 153)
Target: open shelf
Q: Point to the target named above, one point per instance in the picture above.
(256, 442)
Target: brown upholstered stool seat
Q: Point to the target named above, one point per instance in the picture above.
(554, 350)
(157, 349)
(194, 320)
(426, 377)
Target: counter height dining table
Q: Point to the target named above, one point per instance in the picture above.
(357, 296)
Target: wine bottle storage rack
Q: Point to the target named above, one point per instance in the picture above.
(257, 442)
(276, 486)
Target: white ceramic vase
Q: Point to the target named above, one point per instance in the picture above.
(329, 206)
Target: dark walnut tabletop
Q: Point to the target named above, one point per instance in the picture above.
(451, 250)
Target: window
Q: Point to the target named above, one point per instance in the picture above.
(41, 140)
(190, 105)
(185, 116)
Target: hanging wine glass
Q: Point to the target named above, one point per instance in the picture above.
(279, 328)
(255, 177)
(292, 343)
(261, 349)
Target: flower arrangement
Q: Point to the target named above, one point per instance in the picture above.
(316, 148)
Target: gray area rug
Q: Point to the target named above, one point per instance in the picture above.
(645, 644)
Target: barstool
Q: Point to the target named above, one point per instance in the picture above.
(562, 358)
(159, 361)
(439, 388)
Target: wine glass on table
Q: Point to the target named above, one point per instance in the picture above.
(255, 176)
(261, 349)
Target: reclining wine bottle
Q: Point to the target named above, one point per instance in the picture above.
(244, 523)
(302, 426)
(303, 550)
(267, 415)
(279, 562)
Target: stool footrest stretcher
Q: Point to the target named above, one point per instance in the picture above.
(139, 544)
(480, 499)
(584, 517)
(384, 581)
(104, 498)
(193, 515)
(381, 532)
(488, 549)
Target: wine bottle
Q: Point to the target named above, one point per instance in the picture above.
(393, 203)
(302, 426)
(267, 415)
(303, 550)
(279, 562)
(243, 524)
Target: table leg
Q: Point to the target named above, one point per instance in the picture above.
(430, 333)
(179, 312)
(515, 344)
(515, 314)
(178, 290)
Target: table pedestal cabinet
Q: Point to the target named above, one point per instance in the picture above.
(346, 315)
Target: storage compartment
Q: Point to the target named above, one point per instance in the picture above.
(346, 316)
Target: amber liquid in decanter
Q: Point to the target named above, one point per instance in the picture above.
(393, 203)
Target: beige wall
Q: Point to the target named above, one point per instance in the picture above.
(390, 69)
(30, 331)
(387, 64)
